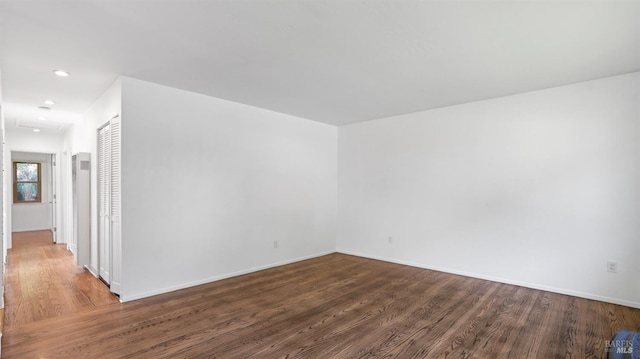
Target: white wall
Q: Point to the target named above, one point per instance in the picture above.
(538, 189)
(3, 202)
(208, 185)
(82, 137)
(28, 141)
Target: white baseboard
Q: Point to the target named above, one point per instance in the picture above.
(128, 298)
(116, 288)
(501, 280)
(30, 230)
(92, 270)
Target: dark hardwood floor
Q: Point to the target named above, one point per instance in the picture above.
(336, 306)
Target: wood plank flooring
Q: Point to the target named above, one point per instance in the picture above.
(335, 306)
(42, 281)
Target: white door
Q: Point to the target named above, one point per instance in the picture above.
(54, 194)
(109, 242)
(104, 203)
(114, 203)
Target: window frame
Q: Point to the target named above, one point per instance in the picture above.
(16, 182)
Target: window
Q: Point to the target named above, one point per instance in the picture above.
(26, 182)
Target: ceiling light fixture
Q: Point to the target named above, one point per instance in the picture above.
(36, 130)
(41, 118)
(61, 73)
(49, 102)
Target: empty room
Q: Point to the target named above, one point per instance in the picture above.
(320, 179)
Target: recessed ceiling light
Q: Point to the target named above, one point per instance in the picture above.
(61, 73)
(44, 108)
(49, 102)
(36, 130)
(41, 118)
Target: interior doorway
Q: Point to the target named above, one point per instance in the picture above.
(32, 190)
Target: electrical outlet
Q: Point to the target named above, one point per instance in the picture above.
(390, 239)
(275, 244)
(612, 267)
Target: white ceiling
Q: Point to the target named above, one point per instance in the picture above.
(332, 61)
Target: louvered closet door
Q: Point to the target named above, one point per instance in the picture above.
(115, 205)
(104, 199)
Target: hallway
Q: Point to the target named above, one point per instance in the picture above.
(42, 281)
